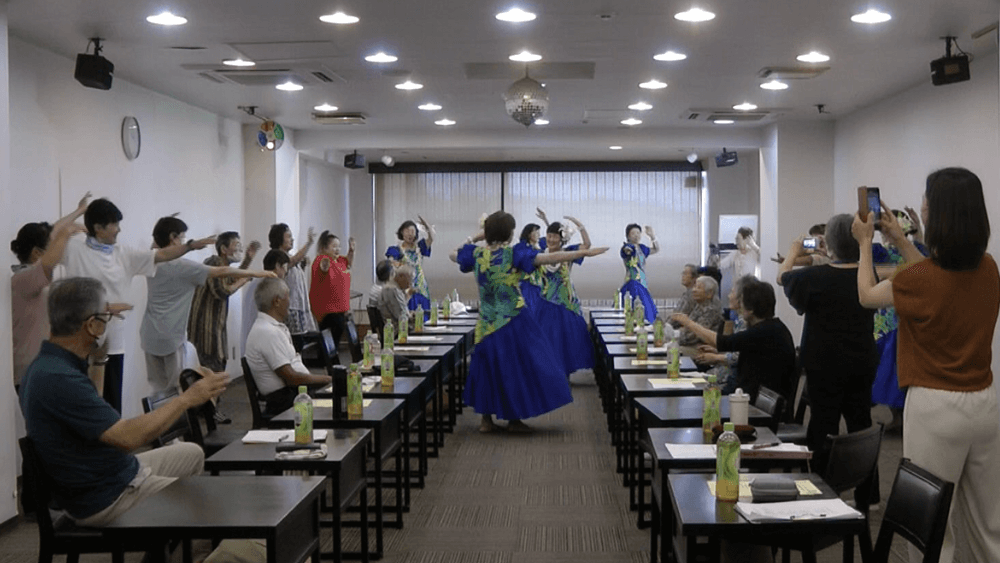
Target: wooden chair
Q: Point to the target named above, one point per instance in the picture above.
(180, 429)
(917, 510)
(213, 438)
(256, 412)
(771, 403)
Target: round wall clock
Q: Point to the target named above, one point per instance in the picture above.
(131, 139)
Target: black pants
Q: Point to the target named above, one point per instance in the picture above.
(337, 323)
(113, 371)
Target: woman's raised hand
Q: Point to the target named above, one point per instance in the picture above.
(84, 201)
(863, 230)
(649, 231)
(541, 215)
(351, 244)
(310, 236)
(574, 220)
(889, 225)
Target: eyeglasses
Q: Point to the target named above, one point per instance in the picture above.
(104, 317)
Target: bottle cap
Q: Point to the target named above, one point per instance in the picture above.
(354, 367)
(302, 389)
(729, 427)
(711, 379)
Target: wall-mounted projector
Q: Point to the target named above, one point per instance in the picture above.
(950, 69)
(726, 158)
(354, 161)
(94, 71)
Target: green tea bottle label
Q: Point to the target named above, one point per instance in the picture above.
(355, 404)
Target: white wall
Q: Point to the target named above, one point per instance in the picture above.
(733, 190)
(67, 141)
(8, 399)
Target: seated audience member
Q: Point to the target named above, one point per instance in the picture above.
(707, 310)
(686, 304)
(275, 366)
(396, 294)
(766, 347)
(725, 364)
(382, 274)
(82, 442)
(276, 261)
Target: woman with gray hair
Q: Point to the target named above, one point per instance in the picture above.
(707, 310)
(837, 349)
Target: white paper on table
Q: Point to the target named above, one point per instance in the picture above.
(691, 451)
(650, 349)
(418, 338)
(671, 384)
(435, 328)
(790, 448)
(399, 348)
(275, 436)
(627, 338)
(796, 510)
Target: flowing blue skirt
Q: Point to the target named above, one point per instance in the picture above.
(565, 331)
(513, 377)
(885, 389)
(635, 289)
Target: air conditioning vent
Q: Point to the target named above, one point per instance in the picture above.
(322, 77)
(710, 115)
(340, 118)
(791, 73)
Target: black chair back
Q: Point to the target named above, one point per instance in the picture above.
(852, 460)
(376, 322)
(181, 428)
(772, 403)
(328, 350)
(253, 394)
(353, 342)
(41, 486)
(917, 510)
(205, 412)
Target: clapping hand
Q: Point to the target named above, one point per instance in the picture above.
(252, 250)
(210, 386)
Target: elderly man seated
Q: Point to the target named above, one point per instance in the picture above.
(707, 310)
(395, 295)
(275, 366)
(686, 304)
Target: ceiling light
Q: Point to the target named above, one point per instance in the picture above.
(166, 18)
(640, 106)
(745, 106)
(615, 147)
(381, 57)
(723, 122)
(695, 15)
(774, 85)
(631, 121)
(325, 107)
(813, 57)
(653, 84)
(871, 16)
(515, 15)
(444, 122)
(541, 122)
(388, 160)
(670, 56)
(409, 85)
(429, 107)
(339, 18)
(238, 62)
(525, 57)
(289, 86)
(692, 158)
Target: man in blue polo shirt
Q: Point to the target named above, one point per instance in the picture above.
(83, 443)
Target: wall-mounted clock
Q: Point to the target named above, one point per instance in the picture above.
(131, 138)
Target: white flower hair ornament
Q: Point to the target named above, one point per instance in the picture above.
(482, 221)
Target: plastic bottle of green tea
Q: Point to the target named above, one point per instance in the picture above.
(711, 412)
(641, 344)
(727, 465)
(418, 320)
(355, 402)
(303, 405)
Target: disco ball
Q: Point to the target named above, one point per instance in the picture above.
(270, 136)
(526, 100)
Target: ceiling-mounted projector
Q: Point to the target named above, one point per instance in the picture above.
(354, 161)
(949, 69)
(726, 158)
(94, 71)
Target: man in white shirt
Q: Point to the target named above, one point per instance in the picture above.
(99, 257)
(163, 332)
(274, 365)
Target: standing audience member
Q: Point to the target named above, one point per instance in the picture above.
(392, 302)
(100, 257)
(330, 293)
(274, 364)
(300, 320)
(707, 310)
(39, 248)
(812, 256)
(163, 332)
(838, 351)
(412, 251)
(947, 306)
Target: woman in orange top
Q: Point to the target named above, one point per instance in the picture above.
(947, 307)
(330, 292)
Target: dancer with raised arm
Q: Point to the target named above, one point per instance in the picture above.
(413, 251)
(634, 255)
(566, 326)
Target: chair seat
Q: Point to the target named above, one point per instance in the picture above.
(66, 528)
(791, 433)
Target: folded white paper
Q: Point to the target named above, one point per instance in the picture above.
(796, 510)
(276, 436)
(779, 448)
(399, 348)
(691, 451)
(672, 383)
(418, 338)
(650, 349)
(435, 328)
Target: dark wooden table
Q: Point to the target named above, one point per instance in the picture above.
(680, 412)
(623, 365)
(345, 465)
(446, 355)
(284, 511)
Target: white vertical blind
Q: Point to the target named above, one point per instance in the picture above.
(605, 202)
(452, 202)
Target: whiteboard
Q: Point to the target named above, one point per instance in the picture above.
(730, 224)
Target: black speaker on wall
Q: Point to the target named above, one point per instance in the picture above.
(94, 71)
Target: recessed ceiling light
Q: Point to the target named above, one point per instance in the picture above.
(745, 106)
(723, 122)
(541, 122)
(670, 56)
(515, 15)
(381, 57)
(871, 16)
(813, 57)
(444, 122)
(429, 107)
(325, 107)
(631, 121)
(289, 86)
(409, 85)
(339, 18)
(774, 85)
(238, 62)
(525, 57)
(653, 84)
(640, 106)
(695, 15)
(166, 18)
(615, 147)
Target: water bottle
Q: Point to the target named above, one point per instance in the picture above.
(434, 312)
(446, 305)
(711, 412)
(303, 406)
(388, 369)
(674, 355)
(629, 321)
(376, 347)
(367, 359)
(418, 320)
(454, 296)
(641, 344)
(618, 300)
(389, 335)
(628, 305)
(355, 406)
(727, 465)
(658, 338)
(404, 328)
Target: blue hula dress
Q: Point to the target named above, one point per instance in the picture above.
(510, 376)
(564, 323)
(634, 257)
(414, 257)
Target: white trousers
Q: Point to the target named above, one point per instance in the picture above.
(956, 436)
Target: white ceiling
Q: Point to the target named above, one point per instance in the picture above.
(435, 39)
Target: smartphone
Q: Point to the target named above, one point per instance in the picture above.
(809, 243)
(869, 201)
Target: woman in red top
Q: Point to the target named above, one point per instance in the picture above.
(330, 292)
(947, 306)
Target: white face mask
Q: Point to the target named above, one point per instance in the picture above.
(237, 256)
